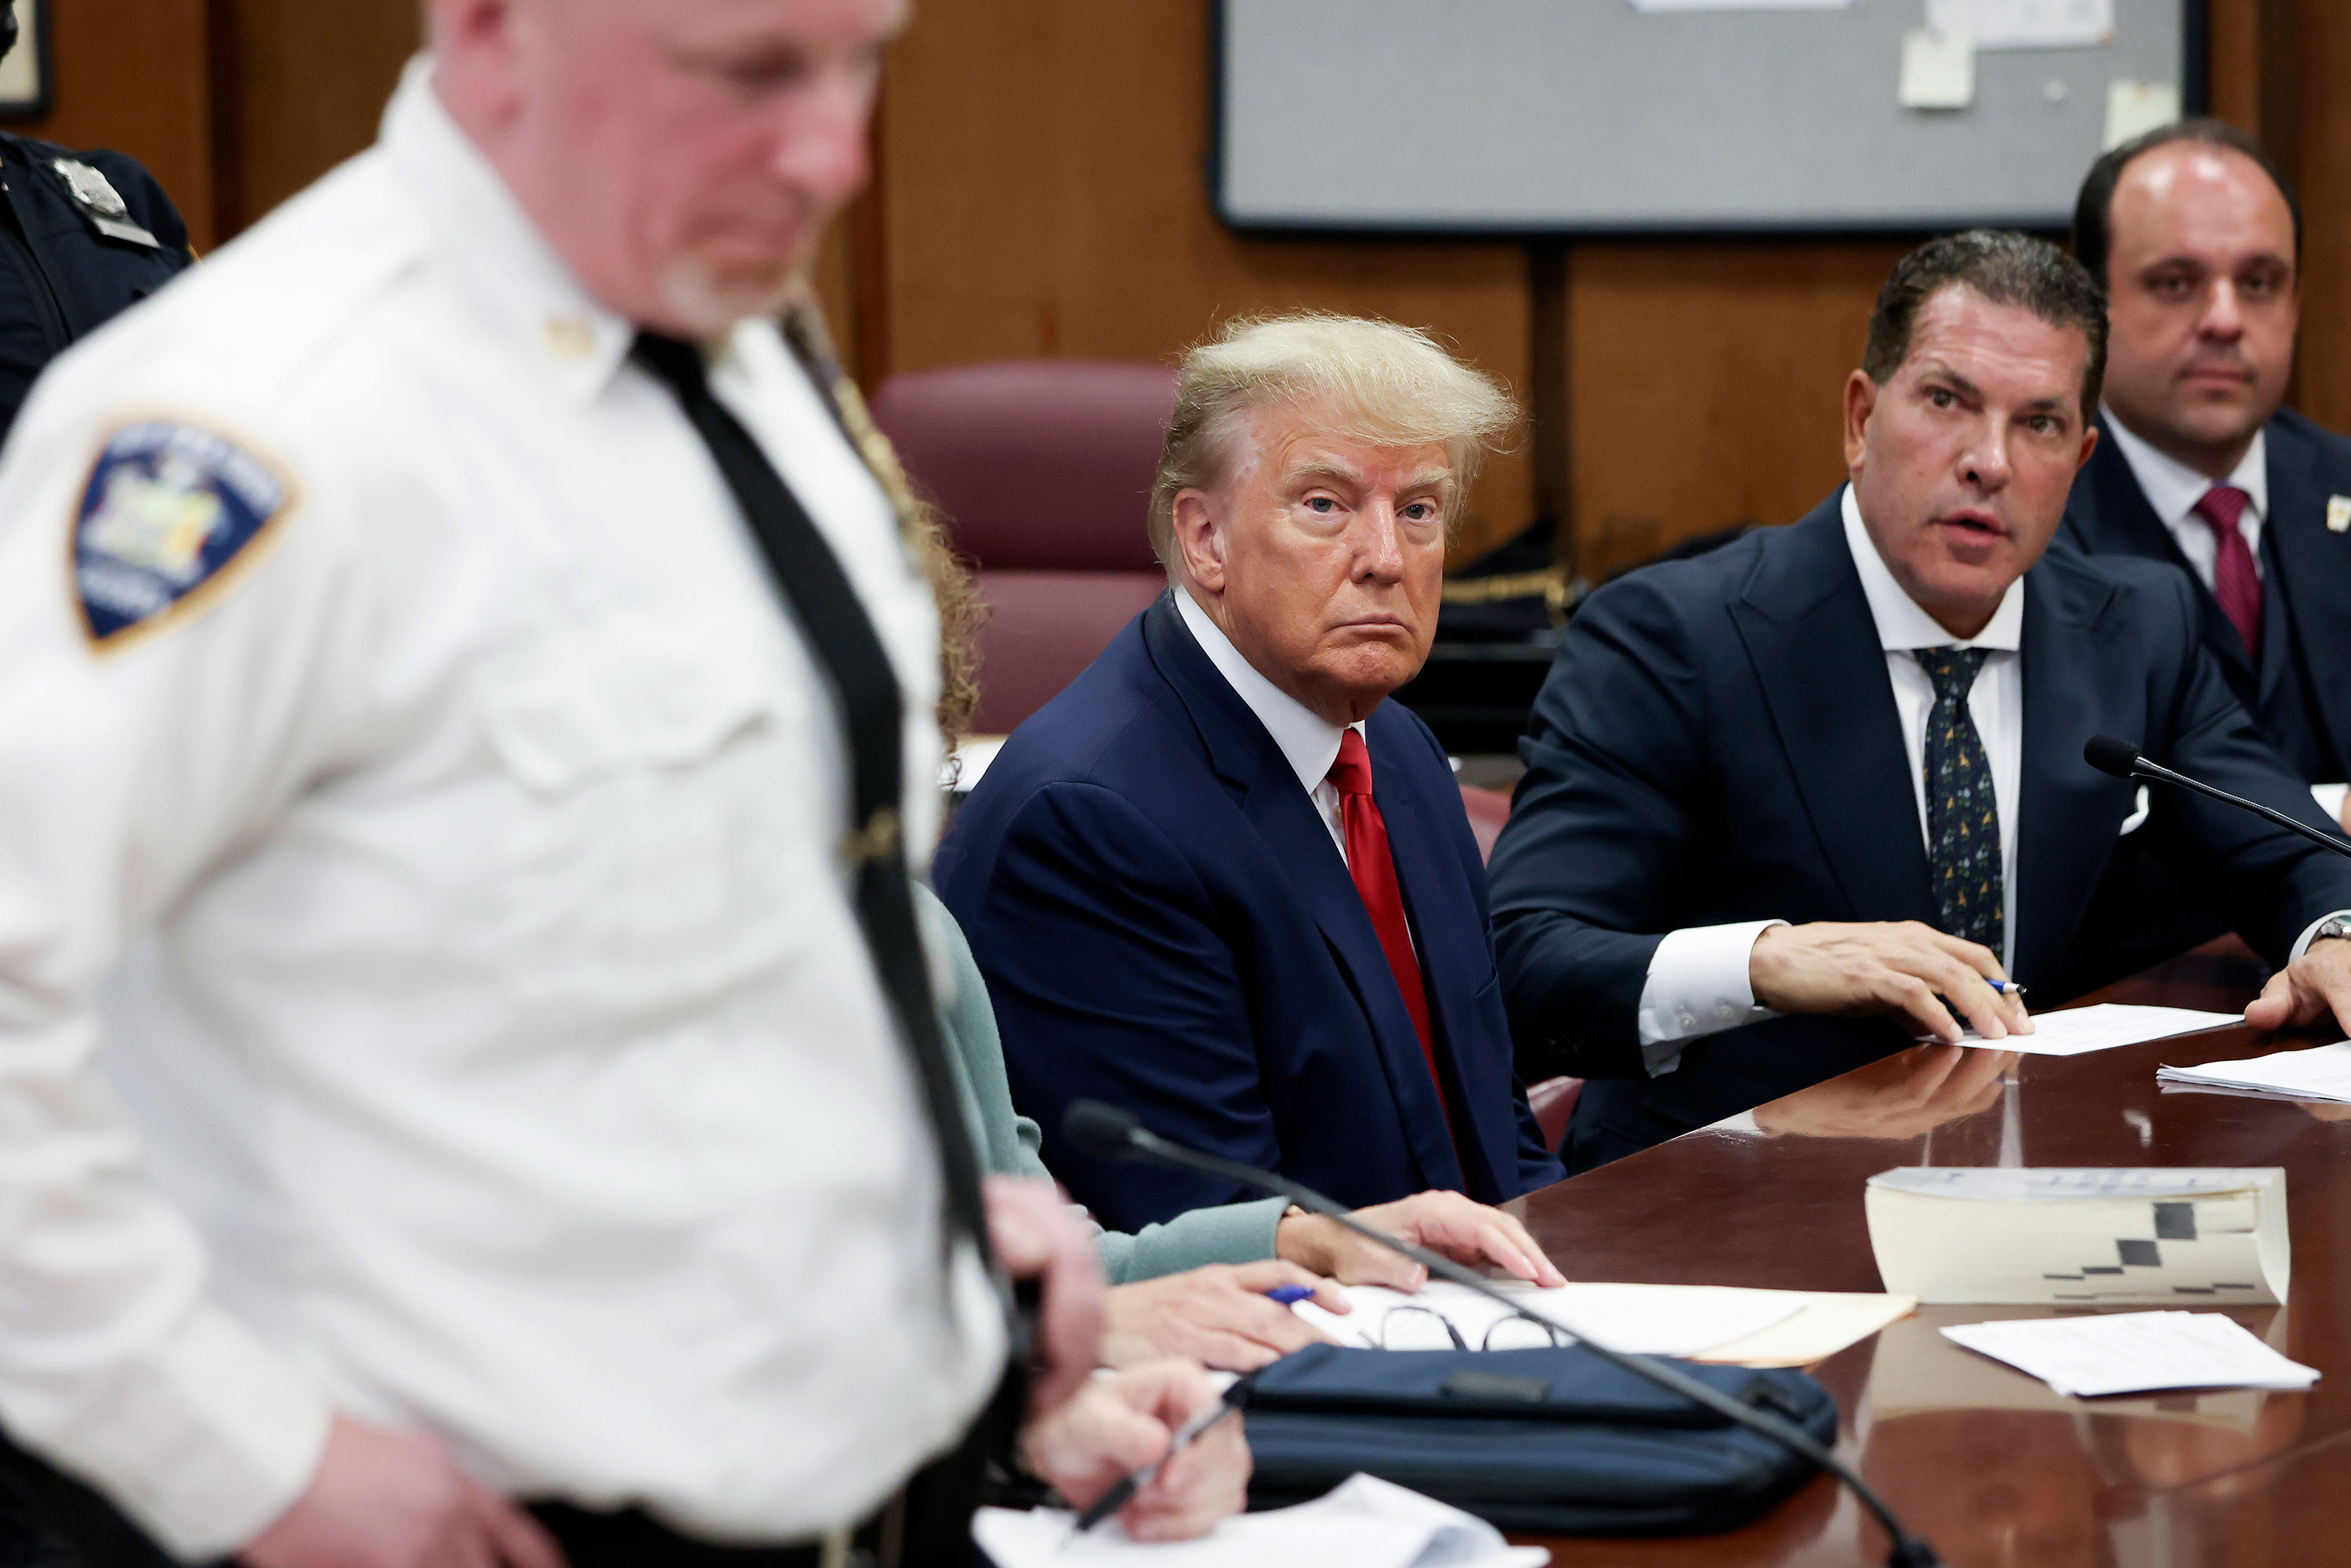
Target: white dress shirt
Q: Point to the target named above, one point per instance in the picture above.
(451, 904)
(1699, 980)
(2172, 488)
(1308, 742)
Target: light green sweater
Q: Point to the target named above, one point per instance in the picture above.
(1008, 1142)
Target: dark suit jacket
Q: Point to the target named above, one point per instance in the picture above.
(1165, 924)
(1717, 741)
(2301, 691)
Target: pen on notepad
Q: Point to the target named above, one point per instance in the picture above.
(1119, 1496)
(2006, 988)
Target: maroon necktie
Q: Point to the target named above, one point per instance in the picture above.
(2235, 583)
(1373, 869)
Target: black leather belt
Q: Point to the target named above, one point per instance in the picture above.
(634, 1539)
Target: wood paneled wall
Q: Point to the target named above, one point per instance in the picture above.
(1040, 193)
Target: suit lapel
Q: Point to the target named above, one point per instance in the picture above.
(1298, 845)
(1809, 636)
(2311, 576)
(2068, 811)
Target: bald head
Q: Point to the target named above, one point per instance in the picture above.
(2203, 300)
(681, 156)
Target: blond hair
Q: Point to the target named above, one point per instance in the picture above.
(1381, 384)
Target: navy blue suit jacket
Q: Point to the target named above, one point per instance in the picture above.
(2300, 693)
(1165, 924)
(1717, 741)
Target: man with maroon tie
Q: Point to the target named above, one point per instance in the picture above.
(1220, 880)
(2196, 241)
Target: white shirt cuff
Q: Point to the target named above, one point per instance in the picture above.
(1697, 986)
(204, 1440)
(2330, 798)
(2302, 943)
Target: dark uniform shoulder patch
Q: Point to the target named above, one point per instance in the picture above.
(168, 510)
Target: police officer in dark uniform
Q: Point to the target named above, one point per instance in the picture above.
(86, 235)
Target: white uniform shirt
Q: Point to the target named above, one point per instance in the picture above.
(451, 904)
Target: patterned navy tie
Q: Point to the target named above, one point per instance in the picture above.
(1962, 817)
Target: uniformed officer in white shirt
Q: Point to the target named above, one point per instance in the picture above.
(439, 1058)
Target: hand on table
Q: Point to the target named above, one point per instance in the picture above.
(1038, 1237)
(1898, 968)
(1119, 1423)
(1902, 1097)
(2313, 988)
(1219, 1316)
(396, 1500)
(1446, 1222)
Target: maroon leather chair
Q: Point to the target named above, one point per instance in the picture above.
(1043, 468)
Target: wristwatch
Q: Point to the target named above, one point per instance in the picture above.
(2332, 925)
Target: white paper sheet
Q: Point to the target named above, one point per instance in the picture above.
(2136, 108)
(2133, 1352)
(1645, 1320)
(2073, 1031)
(2026, 24)
(1364, 1523)
(2322, 1073)
(1938, 70)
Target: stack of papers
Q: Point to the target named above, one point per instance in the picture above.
(2072, 1031)
(1710, 1323)
(2322, 1073)
(2132, 1352)
(1364, 1523)
(2097, 1236)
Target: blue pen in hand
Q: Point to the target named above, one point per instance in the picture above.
(1291, 1295)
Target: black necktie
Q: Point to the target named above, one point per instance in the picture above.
(842, 639)
(1962, 815)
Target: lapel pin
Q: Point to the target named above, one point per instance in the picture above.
(2339, 514)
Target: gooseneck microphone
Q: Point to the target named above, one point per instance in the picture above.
(2121, 758)
(1107, 1133)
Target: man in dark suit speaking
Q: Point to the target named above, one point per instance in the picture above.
(1870, 724)
(1220, 880)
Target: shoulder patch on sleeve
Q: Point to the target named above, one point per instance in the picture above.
(169, 510)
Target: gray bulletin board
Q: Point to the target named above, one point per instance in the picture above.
(1588, 117)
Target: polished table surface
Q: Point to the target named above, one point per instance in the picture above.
(1987, 1463)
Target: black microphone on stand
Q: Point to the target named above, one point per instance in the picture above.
(1107, 1133)
(2121, 758)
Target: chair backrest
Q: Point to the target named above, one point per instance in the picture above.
(1487, 810)
(1043, 469)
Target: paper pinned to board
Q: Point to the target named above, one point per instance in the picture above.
(1938, 70)
(2027, 24)
(2133, 1352)
(2136, 108)
(1363, 1522)
(2074, 1031)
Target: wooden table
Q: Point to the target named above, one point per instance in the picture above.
(1986, 1463)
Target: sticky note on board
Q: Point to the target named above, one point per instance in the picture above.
(2136, 108)
(1938, 70)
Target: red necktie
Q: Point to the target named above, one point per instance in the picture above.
(2235, 583)
(1373, 869)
